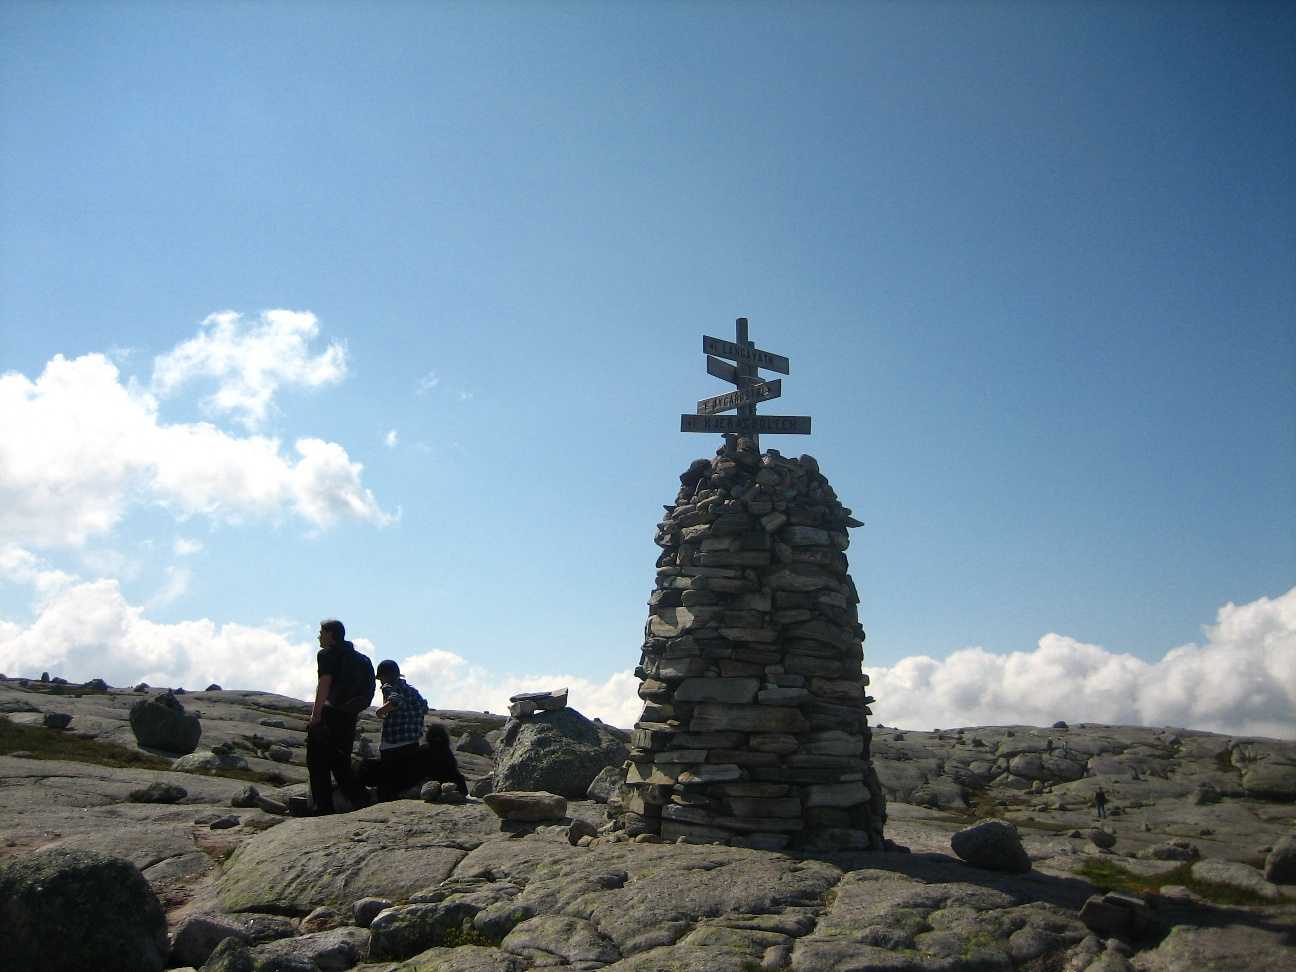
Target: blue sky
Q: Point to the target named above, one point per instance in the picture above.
(1034, 266)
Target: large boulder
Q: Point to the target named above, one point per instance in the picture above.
(67, 911)
(1280, 865)
(162, 723)
(559, 751)
(993, 846)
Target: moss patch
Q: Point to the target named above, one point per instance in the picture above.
(1110, 876)
(58, 744)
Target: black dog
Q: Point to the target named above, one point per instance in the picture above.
(436, 760)
(397, 770)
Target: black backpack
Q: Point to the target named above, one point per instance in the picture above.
(359, 682)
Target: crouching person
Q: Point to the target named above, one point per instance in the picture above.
(398, 766)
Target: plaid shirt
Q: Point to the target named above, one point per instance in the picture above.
(404, 725)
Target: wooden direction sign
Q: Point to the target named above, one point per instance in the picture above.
(771, 424)
(722, 370)
(762, 392)
(751, 390)
(746, 355)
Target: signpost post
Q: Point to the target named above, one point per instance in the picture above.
(744, 373)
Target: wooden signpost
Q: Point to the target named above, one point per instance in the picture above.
(750, 360)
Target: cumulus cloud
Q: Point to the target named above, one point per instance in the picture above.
(450, 682)
(87, 629)
(250, 361)
(78, 447)
(1241, 680)
(390, 439)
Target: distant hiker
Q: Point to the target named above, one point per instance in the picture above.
(344, 690)
(1050, 745)
(398, 766)
(1066, 750)
(1100, 801)
(437, 760)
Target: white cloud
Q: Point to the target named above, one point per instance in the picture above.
(250, 362)
(1242, 680)
(427, 383)
(77, 448)
(176, 586)
(183, 546)
(450, 682)
(87, 630)
(391, 439)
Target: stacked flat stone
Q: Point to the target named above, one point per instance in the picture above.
(755, 728)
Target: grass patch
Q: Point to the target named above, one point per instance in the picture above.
(1110, 876)
(250, 776)
(59, 744)
(468, 936)
(983, 806)
(1224, 761)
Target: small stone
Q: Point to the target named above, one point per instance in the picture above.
(197, 936)
(245, 799)
(280, 754)
(431, 792)
(366, 910)
(656, 839)
(56, 720)
(159, 793)
(525, 805)
(322, 919)
(270, 805)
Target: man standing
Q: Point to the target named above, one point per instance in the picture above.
(344, 690)
(1100, 801)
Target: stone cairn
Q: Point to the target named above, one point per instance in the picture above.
(755, 728)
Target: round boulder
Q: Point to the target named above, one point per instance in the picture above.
(67, 911)
(992, 846)
(1280, 865)
(559, 751)
(162, 723)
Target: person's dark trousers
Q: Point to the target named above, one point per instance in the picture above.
(328, 753)
(395, 770)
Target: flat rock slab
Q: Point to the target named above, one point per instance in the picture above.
(887, 920)
(466, 958)
(391, 851)
(644, 896)
(1249, 946)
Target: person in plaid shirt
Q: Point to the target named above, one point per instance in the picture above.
(402, 714)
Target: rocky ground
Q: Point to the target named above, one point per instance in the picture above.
(1193, 819)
